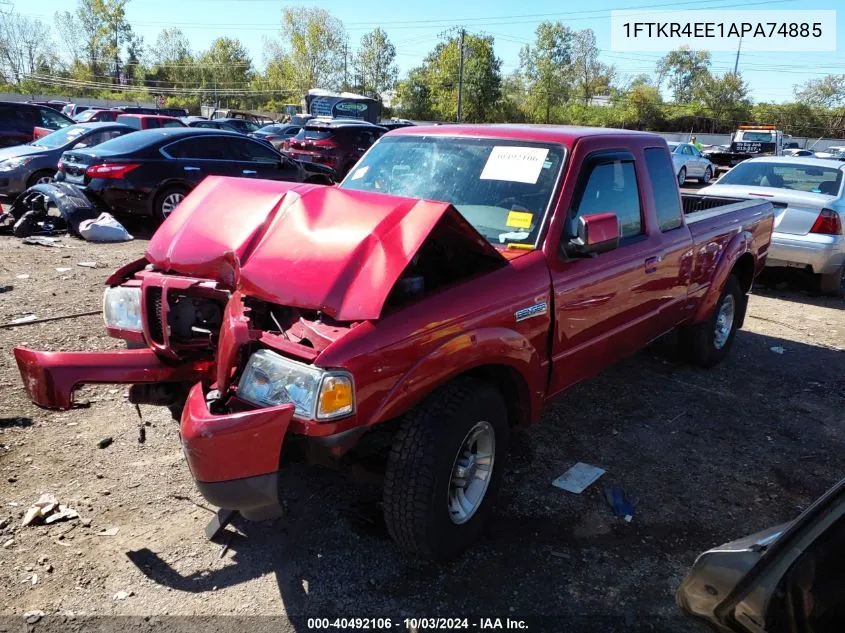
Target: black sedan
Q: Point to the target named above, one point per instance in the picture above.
(151, 171)
(23, 166)
(237, 125)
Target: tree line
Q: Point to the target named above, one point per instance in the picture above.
(560, 77)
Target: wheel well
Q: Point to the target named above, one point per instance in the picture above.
(513, 387)
(744, 270)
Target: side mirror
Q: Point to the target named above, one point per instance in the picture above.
(597, 233)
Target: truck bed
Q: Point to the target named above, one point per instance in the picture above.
(716, 221)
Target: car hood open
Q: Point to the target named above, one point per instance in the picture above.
(307, 246)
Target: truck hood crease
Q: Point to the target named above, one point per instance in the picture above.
(308, 246)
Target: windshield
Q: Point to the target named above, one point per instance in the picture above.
(502, 187)
(673, 147)
(756, 137)
(85, 115)
(61, 137)
(810, 178)
(242, 125)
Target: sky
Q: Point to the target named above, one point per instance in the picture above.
(414, 27)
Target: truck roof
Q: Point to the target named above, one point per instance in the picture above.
(564, 134)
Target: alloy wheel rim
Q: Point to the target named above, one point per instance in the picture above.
(682, 177)
(472, 472)
(170, 203)
(44, 180)
(724, 322)
(707, 175)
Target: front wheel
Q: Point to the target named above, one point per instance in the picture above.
(834, 283)
(708, 175)
(40, 178)
(682, 176)
(445, 469)
(707, 343)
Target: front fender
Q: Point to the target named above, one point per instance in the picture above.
(463, 353)
(739, 245)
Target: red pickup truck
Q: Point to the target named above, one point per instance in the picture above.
(458, 279)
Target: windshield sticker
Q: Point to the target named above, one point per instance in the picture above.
(360, 172)
(519, 220)
(515, 235)
(515, 164)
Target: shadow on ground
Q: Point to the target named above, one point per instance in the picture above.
(711, 456)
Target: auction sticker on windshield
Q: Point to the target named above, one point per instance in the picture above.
(519, 220)
(515, 164)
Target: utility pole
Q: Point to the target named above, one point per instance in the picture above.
(461, 78)
(548, 96)
(345, 56)
(738, 48)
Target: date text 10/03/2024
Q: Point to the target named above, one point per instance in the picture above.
(418, 624)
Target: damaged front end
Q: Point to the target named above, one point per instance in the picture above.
(241, 292)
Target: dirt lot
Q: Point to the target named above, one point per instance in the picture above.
(711, 455)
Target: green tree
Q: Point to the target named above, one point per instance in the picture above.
(225, 69)
(642, 107)
(375, 64)
(314, 45)
(413, 96)
(25, 47)
(591, 76)
(685, 70)
(546, 68)
(725, 97)
(828, 92)
(174, 65)
(481, 80)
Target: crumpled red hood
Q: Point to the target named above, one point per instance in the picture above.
(308, 246)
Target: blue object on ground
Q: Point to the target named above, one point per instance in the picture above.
(623, 507)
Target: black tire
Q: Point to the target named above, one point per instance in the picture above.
(421, 463)
(34, 178)
(682, 176)
(708, 176)
(699, 341)
(163, 195)
(834, 283)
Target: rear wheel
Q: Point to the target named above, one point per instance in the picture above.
(708, 175)
(445, 469)
(707, 343)
(167, 200)
(834, 283)
(682, 176)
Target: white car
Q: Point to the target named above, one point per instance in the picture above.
(689, 163)
(809, 199)
(834, 151)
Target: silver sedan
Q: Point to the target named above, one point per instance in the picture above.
(689, 163)
(809, 199)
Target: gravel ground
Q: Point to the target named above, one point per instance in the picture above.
(710, 455)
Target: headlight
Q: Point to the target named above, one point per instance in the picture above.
(15, 163)
(270, 380)
(122, 308)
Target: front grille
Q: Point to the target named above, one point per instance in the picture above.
(154, 324)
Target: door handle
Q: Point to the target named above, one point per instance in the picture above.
(652, 263)
(189, 168)
(249, 172)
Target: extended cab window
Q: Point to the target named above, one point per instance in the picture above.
(612, 188)
(662, 175)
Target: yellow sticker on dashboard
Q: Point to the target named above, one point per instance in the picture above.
(519, 220)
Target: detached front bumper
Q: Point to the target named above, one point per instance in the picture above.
(234, 457)
(51, 377)
(824, 253)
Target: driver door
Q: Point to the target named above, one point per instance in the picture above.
(603, 304)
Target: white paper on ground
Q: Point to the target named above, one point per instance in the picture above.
(578, 478)
(515, 164)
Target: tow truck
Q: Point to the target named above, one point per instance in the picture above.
(748, 141)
